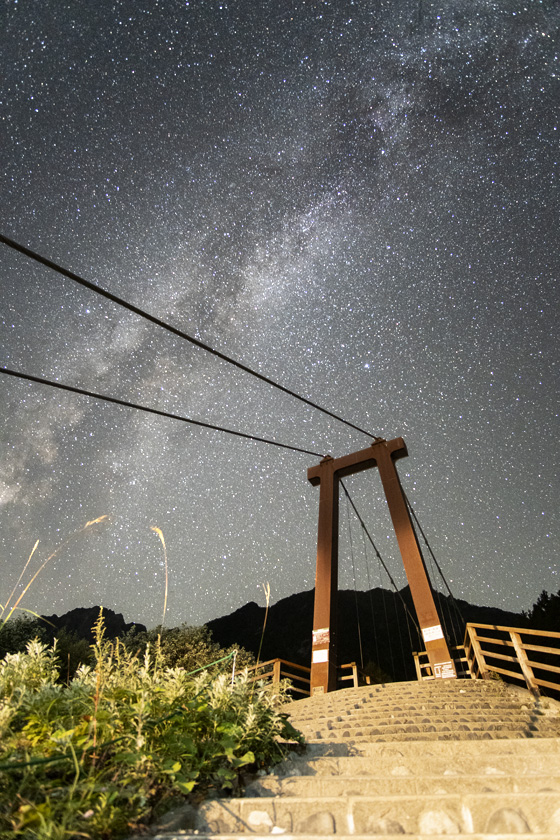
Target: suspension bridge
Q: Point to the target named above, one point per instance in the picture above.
(470, 749)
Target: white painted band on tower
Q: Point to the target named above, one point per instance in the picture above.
(321, 655)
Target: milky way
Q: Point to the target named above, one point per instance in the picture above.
(357, 199)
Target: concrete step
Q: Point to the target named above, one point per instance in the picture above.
(378, 710)
(375, 727)
(414, 692)
(368, 722)
(406, 719)
(344, 785)
(376, 714)
(524, 755)
(466, 698)
(517, 745)
(466, 813)
(201, 835)
(426, 711)
(409, 768)
(414, 734)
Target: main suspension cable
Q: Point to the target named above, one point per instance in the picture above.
(145, 408)
(152, 318)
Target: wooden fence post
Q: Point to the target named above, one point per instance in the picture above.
(276, 669)
(469, 653)
(524, 663)
(478, 655)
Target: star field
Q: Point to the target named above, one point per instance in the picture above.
(357, 199)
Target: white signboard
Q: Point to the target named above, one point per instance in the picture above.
(444, 670)
(432, 633)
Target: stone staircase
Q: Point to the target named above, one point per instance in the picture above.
(454, 758)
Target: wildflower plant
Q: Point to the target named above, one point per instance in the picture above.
(124, 740)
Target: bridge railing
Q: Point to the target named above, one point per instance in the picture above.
(516, 653)
(357, 675)
(280, 669)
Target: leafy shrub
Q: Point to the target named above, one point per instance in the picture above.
(22, 673)
(123, 740)
(73, 651)
(17, 632)
(185, 647)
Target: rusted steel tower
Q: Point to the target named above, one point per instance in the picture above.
(381, 454)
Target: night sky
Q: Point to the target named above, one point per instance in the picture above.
(357, 199)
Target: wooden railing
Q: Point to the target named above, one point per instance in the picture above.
(276, 670)
(357, 676)
(522, 650)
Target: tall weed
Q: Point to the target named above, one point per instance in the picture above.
(8, 608)
(123, 741)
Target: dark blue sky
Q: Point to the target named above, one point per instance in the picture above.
(358, 199)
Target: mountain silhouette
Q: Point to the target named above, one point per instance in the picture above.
(376, 628)
(81, 621)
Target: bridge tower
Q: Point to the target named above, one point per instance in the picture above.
(381, 454)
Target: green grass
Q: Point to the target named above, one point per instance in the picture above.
(124, 740)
